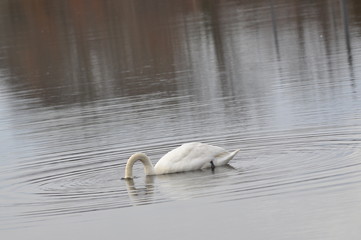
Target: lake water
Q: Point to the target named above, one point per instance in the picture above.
(84, 84)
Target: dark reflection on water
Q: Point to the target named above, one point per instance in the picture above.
(80, 51)
(86, 83)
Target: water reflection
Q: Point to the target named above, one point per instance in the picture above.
(196, 184)
(81, 55)
(187, 185)
(140, 195)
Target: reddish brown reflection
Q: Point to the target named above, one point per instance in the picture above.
(81, 50)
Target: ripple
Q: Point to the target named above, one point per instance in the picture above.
(302, 161)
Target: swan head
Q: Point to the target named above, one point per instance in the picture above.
(148, 166)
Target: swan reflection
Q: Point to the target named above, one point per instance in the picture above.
(141, 195)
(177, 186)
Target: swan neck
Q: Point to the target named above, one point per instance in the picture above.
(148, 166)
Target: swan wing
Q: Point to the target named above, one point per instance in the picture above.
(192, 156)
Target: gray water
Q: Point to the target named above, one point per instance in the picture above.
(86, 83)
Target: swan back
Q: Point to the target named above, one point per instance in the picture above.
(193, 156)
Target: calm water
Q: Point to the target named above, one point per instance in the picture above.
(86, 83)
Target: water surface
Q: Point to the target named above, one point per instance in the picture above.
(84, 84)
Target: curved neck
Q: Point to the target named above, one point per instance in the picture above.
(148, 166)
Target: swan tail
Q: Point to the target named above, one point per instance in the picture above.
(231, 156)
(224, 158)
(235, 152)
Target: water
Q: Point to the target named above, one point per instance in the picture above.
(84, 84)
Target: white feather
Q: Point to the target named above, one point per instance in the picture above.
(187, 157)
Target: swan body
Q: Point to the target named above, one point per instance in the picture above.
(187, 157)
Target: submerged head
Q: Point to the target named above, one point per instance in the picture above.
(148, 166)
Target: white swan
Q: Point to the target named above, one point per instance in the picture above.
(188, 157)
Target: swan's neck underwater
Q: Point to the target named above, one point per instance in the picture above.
(148, 166)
